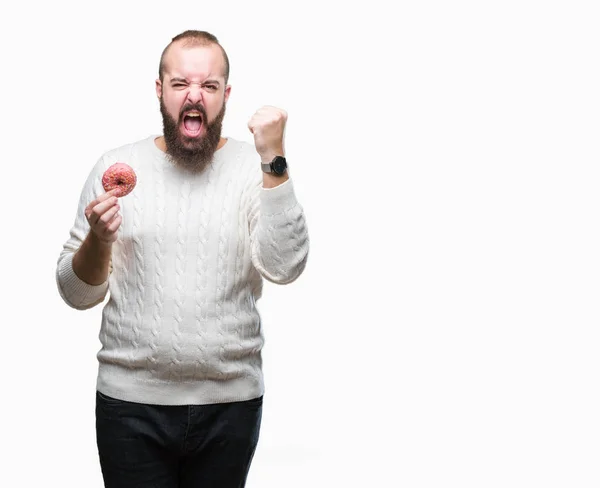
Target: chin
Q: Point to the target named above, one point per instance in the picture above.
(191, 142)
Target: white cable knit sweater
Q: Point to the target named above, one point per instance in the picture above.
(181, 325)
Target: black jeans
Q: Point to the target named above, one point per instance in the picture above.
(191, 446)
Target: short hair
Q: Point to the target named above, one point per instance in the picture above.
(194, 38)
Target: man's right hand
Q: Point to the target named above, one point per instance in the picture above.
(102, 216)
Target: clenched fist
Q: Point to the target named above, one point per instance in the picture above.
(102, 216)
(268, 127)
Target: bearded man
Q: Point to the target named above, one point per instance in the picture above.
(183, 257)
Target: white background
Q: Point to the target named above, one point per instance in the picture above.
(445, 331)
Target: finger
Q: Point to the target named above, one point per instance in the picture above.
(103, 197)
(94, 203)
(252, 122)
(257, 122)
(271, 110)
(107, 216)
(269, 119)
(102, 208)
(114, 225)
(107, 233)
(110, 193)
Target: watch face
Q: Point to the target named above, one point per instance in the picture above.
(279, 165)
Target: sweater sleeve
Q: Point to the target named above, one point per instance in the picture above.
(75, 292)
(278, 232)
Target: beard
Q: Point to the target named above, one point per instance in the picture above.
(191, 153)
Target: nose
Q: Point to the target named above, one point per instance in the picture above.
(194, 93)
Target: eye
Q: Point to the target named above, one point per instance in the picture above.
(211, 87)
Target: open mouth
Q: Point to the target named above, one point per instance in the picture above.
(192, 124)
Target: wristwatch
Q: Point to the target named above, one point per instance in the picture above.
(277, 167)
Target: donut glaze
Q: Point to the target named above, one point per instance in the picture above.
(120, 176)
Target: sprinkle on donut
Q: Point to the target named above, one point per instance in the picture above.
(121, 176)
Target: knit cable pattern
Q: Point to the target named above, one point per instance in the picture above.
(159, 283)
(183, 206)
(222, 272)
(203, 273)
(140, 271)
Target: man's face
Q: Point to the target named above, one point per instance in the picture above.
(192, 97)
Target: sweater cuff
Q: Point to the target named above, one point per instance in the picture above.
(278, 200)
(76, 291)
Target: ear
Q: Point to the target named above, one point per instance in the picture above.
(158, 88)
(227, 92)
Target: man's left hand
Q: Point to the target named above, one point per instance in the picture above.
(268, 127)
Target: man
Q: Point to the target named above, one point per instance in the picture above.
(183, 256)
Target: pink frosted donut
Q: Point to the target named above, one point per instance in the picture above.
(121, 176)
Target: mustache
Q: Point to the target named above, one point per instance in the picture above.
(196, 107)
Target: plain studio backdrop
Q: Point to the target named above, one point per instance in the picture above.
(445, 331)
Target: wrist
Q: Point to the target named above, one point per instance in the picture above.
(92, 260)
(96, 242)
(275, 167)
(268, 156)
